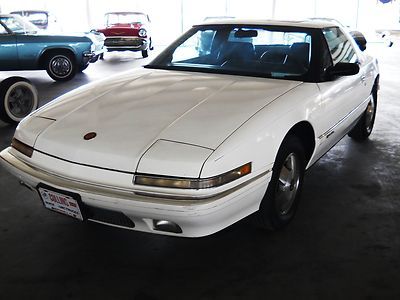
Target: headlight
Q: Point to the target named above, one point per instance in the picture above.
(21, 147)
(142, 32)
(192, 183)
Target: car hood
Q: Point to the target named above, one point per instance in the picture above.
(131, 112)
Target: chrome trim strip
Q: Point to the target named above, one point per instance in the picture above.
(12, 162)
(331, 130)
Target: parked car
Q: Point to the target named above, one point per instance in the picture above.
(128, 31)
(39, 18)
(18, 98)
(192, 143)
(24, 47)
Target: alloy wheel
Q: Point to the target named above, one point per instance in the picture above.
(288, 184)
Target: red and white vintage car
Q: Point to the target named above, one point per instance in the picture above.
(127, 31)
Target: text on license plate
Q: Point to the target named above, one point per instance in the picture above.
(61, 203)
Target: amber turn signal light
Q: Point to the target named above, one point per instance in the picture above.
(21, 147)
(192, 183)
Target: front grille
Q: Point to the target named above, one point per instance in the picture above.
(108, 216)
(134, 42)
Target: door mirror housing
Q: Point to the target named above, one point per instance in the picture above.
(360, 39)
(343, 69)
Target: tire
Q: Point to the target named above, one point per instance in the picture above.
(281, 199)
(145, 53)
(18, 99)
(363, 128)
(83, 68)
(61, 66)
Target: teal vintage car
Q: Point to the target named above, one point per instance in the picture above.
(24, 47)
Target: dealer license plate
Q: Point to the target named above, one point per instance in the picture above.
(59, 202)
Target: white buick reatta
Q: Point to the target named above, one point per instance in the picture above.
(221, 125)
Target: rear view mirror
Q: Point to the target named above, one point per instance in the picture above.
(246, 33)
(343, 69)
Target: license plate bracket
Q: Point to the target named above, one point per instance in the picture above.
(63, 202)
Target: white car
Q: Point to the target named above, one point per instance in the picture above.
(197, 140)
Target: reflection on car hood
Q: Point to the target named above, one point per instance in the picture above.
(132, 111)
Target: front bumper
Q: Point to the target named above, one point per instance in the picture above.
(195, 218)
(91, 57)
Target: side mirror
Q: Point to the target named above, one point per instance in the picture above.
(343, 69)
(360, 39)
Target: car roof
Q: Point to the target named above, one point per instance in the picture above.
(29, 11)
(291, 23)
(125, 13)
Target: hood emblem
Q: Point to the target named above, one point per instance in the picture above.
(89, 136)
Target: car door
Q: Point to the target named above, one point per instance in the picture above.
(341, 97)
(30, 47)
(8, 49)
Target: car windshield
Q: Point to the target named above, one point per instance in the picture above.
(265, 51)
(38, 18)
(17, 25)
(125, 18)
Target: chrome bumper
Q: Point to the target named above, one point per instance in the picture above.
(93, 55)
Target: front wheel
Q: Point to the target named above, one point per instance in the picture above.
(18, 99)
(362, 130)
(280, 201)
(61, 66)
(145, 53)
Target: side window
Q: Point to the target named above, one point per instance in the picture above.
(340, 47)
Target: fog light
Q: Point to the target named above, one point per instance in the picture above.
(163, 225)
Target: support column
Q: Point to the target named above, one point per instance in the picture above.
(315, 8)
(357, 13)
(273, 9)
(88, 14)
(182, 16)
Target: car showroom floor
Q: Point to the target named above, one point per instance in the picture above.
(343, 244)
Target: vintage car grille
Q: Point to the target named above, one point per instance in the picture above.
(135, 42)
(108, 216)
